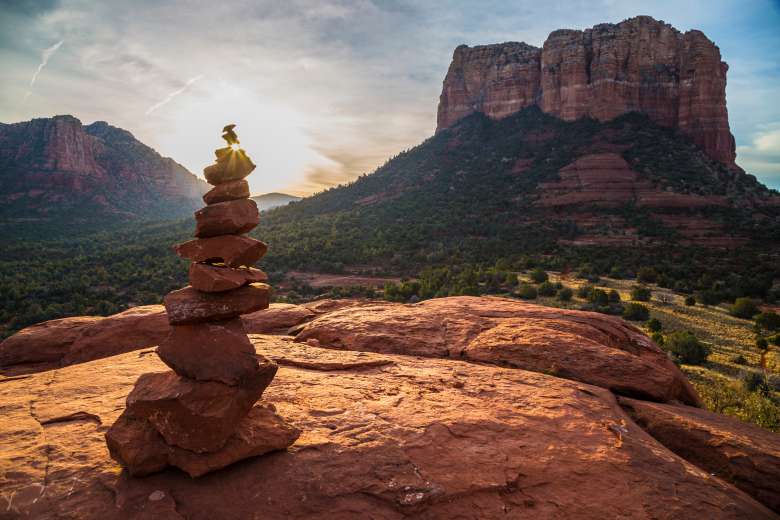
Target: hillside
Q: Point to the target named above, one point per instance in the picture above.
(486, 189)
(268, 201)
(56, 170)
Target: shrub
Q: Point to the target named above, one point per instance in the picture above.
(708, 297)
(539, 275)
(636, 312)
(653, 325)
(565, 294)
(743, 308)
(775, 340)
(584, 291)
(658, 338)
(755, 382)
(768, 320)
(739, 359)
(641, 293)
(690, 301)
(546, 289)
(647, 275)
(614, 296)
(761, 343)
(616, 272)
(598, 297)
(686, 348)
(526, 291)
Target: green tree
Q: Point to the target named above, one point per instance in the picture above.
(744, 308)
(636, 312)
(686, 348)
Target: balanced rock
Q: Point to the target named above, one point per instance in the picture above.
(231, 165)
(212, 278)
(232, 250)
(227, 218)
(189, 305)
(232, 190)
(217, 351)
(198, 416)
(135, 444)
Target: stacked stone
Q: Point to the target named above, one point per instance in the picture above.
(202, 415)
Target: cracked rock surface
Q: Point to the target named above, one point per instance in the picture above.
(383, 436)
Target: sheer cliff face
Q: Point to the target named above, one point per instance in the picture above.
(55, 164)
(639, 65)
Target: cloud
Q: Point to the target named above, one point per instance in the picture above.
(762, 156)
(45, 55)
(173, 94)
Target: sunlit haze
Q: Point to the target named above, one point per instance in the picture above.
(323, 91)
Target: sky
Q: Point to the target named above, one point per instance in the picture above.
(323, 91)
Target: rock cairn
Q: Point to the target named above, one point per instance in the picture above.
(202, 415)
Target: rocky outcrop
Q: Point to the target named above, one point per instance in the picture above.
(741, 453)
(57, 164)
(640, 64)
(384, 436)
(585, 346)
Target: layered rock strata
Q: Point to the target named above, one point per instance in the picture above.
(640, 64)
(201, 416)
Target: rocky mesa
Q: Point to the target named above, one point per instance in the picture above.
(641, 64)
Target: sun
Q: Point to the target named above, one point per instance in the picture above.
(235, 146)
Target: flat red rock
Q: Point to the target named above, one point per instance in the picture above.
(217, 351)
(233, 217)
(189, 305)
(212, 278)
(198, 416)
(232, 165)
(232, 190)
(232, 250)
(136, 445)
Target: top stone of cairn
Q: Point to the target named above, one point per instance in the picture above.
(232, 164)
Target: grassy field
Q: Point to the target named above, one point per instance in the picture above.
(719, 381)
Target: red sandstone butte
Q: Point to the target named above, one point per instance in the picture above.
(232, 190)
(640, 64)
(226, 218)
(232, 250)
(211, 278)
(191, 306)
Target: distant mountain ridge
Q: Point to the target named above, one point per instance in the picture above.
(58, 168)
(268, 201)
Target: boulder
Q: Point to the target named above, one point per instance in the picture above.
(278, 317)
(226, 218)
(212, 278)
(232, 190)
(382, 436)
(744, 454)
(215, 351)
(137, 446)
(585, 346)
(195, 415)
(231, 165)
(82, 338)
(188, 305)
(232, 250)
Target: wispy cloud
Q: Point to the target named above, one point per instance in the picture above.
(45, 55)
(173, 94)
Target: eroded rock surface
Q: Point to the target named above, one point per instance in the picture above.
(585, 346)
(426, 438)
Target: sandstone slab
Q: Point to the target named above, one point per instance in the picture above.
(215, 351)
(232, 190)
(278, 317)
(232, 250)
(66, 341)
(744, 454)
(226, 218)
(191, 306)
(212, 278)
(136, 445)
(198, 416)
(421, 438)
(231, 166)
(585, 346)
